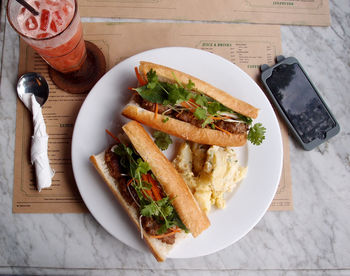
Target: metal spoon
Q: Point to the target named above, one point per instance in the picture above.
(33, 90)
(32, 83)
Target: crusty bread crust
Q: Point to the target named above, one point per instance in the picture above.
(159, 249)
(182, 129)
(167, 74)
(174, 186)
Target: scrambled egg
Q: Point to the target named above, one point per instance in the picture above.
(210, 172)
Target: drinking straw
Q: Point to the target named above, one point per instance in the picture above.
(28, 7)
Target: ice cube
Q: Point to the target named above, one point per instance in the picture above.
(31, 23)
(67, 8)
(44, 19)
(37, 4)
(53, 26)
(42, 35)
(57, 18)
(53, 2)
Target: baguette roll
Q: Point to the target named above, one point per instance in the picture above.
(182, 129)
(222, 129)
(167, 74)
(171, 183)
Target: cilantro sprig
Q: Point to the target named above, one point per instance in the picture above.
(256, 134)
(162, 140)
(161, 210)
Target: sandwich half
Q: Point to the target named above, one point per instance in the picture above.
(184, 106)
(151, 191)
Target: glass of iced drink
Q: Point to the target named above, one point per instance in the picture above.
(56, 33)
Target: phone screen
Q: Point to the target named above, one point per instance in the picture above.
(300, 102)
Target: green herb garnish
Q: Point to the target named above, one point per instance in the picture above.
(161, 210)
(165, 119)
(256, 134)
(162, 139)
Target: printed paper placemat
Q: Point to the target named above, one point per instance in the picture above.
(247, 46)
(291, 12)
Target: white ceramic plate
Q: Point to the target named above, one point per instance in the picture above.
(101, 110)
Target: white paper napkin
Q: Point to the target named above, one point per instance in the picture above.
(39, 156)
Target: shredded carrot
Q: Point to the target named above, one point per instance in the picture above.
(219, 128)
(156, 112)
(112, 135)
(190, 104)
(173, 231)
(129, 182)
(154, 193)
(193, 102)
(185, 104)
(148, 192)
(140, 78)
(155, 189)
(220, 117)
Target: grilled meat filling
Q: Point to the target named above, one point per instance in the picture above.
(149, 224)
(188, 117)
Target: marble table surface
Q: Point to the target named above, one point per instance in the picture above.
(314, 239)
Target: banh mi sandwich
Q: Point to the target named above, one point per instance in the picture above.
(150, 190)
(187, 107)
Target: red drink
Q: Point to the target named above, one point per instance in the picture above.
(56, 33)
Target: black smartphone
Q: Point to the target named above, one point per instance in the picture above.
(298, 102)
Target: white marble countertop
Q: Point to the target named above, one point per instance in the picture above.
(314, 239)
